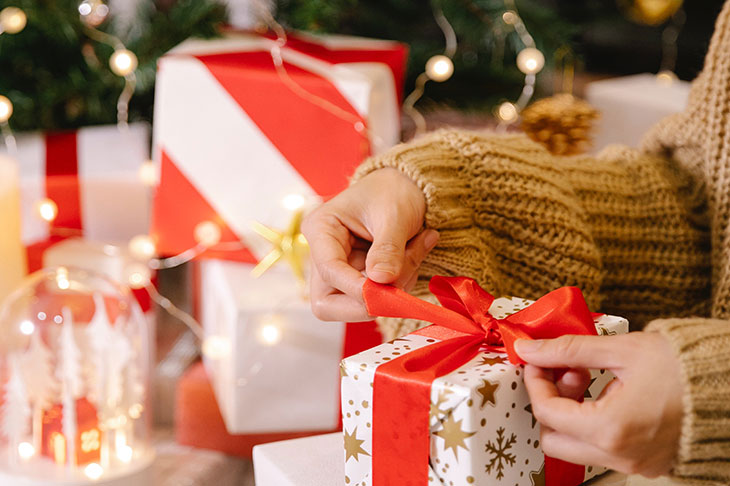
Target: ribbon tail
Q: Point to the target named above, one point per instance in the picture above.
(388, 301)
(562, 473)
(511, 333)
(401, 404)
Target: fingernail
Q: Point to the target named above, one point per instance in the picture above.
(528, 346)
(431, 238)
(384, 267)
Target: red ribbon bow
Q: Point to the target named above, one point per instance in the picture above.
(402, 386)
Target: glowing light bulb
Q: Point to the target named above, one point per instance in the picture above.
(666, 77)
(123, 62)
(510, 17)
(507, 112)
(207, 233)
(135, 411)
(26, 450)
(125, 453)
(530, 60)
(138, 275)
(292, 202)
(62, 280)
(12, 20)
(27, 327)
(439, 68)
(47, 210)
(6, 109)
(270, 330)
(93, 12)
(216, 347)
(93, 471)
(142, 247)
(148, 173)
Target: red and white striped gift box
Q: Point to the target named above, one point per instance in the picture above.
(234, 137)
(92, 175)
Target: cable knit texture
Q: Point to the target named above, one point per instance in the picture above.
(645, 233)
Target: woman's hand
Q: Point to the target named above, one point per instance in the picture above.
(635, 424)
(372, 226)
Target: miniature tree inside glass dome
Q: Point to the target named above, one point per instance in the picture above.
(74, 366)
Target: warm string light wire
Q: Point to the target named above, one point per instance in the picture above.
(529, 60)
(276, 56)
(439, 68)
(12, 21)
(670, 34)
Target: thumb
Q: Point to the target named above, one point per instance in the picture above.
(384, 261)
(569, 351)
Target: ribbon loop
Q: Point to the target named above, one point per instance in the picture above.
(402, 386)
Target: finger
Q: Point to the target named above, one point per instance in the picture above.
(573, 383)
(330, 247)
(416, 251)
(565, 415)
(328, 304)
(562, 446)
(570, 351)
(387, 253)
(411, 283)
(357, 259)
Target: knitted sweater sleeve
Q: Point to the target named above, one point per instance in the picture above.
(628, 228)
(523, 222)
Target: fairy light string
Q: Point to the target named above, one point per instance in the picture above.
(438, 68)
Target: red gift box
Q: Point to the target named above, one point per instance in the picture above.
(234, 137)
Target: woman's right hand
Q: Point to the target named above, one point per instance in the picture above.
(372, 226)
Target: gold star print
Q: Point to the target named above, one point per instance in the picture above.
(289, 245)
(436, 407)
(353, 445)
(492, 361)
(587, 393)
(453, 436)
(343, 370)
(487, 391)
(538, 477)
(528, 408)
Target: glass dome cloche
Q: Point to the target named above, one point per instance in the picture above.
(74, 375)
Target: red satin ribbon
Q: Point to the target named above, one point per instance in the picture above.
(402, 386)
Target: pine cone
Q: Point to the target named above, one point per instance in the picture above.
(562, 123)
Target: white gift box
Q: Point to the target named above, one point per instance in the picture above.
(272, 363)
(483, 403)
(317, 461)
(234, 137)
(92, 174)
(631, 105)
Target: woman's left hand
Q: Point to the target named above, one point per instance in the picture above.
(634, 426)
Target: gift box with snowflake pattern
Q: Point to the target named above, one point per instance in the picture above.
(482, 430)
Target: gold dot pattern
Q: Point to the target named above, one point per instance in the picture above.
(464, 436)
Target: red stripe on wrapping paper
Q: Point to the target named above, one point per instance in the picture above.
(62, 179)
(394, 58)
(178, 208)
(322, 147)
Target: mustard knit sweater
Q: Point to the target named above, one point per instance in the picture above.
(645, 234)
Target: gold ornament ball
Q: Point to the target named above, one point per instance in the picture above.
(93, 12)
(6, 109)
(12, 20)
(530, 60)
(650, 12)
(439, 68)
(123, 62)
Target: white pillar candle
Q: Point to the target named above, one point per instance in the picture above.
(12, 253)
